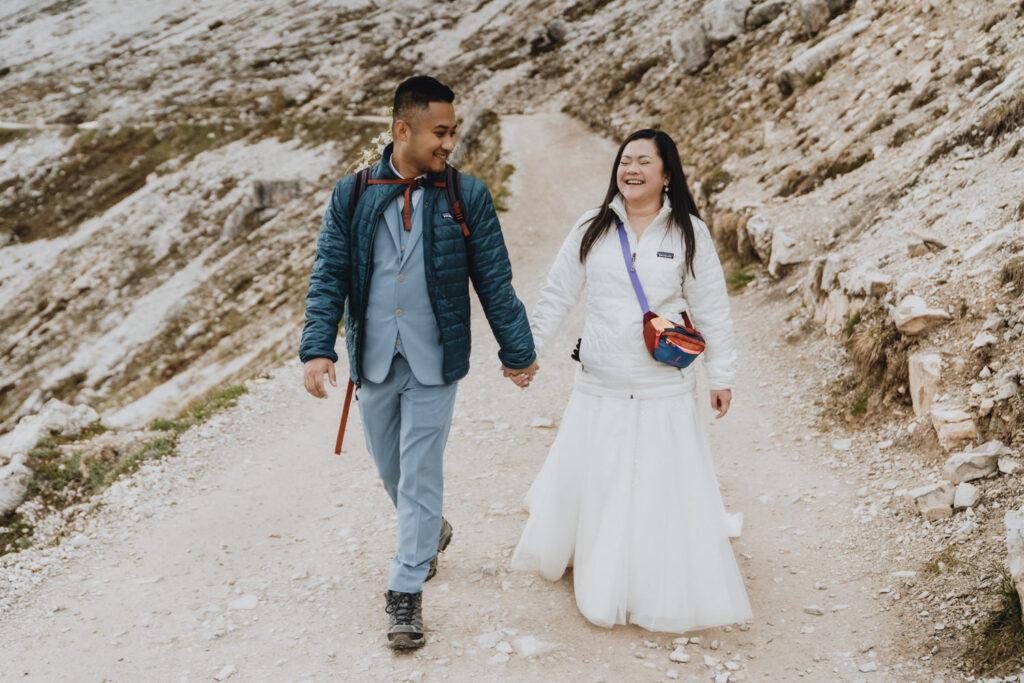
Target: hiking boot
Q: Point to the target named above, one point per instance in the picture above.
(442, 543)
(405, 629)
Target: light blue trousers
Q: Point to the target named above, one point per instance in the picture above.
(406, 426)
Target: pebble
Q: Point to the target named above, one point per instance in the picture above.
(814, 610)
(498, 658)
(679, 655)
(867, 667)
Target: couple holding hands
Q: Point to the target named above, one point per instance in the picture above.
(627, 495)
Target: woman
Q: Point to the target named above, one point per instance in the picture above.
(628, 493)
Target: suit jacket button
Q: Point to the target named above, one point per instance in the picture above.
(401, 277)
(399, 313)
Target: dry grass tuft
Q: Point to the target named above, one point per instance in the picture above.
(997, 647)
(1013, 271)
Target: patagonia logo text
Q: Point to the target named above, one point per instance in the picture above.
(666, 254)
(446, 215)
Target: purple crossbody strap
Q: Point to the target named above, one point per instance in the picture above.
(628, 258)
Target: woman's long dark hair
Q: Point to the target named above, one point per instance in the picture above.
(678, 193)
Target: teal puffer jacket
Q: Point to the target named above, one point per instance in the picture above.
(340, 280)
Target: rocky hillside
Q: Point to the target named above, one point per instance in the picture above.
(163, 169)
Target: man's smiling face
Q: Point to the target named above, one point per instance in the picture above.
(424, 142)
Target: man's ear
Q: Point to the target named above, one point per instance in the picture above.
(402, 131)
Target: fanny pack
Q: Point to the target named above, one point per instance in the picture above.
(670, 343)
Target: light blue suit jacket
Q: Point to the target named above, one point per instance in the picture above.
(399, 315)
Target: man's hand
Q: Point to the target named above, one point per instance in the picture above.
(521, 377)
(313, 376)
(720, 400)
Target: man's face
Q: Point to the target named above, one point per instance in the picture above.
(426, 138)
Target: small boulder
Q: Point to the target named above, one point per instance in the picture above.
(724, 19)
(984, 338)
(934, 501)
(974, 464)
(953, 424)
(925, 372)
(14, 481)
(815, 14)
(966, 496)
(765, 13)
(1008, 465)
(912, 315)
(759, 230)
(691, 47)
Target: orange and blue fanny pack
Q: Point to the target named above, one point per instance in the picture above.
(668, 342)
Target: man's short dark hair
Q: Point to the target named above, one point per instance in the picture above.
(417, 93)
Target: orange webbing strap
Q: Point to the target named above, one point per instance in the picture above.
(410, 185)
(344, 417)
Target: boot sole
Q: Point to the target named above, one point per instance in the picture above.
(405, 641)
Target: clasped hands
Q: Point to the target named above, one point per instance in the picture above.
(521, 377)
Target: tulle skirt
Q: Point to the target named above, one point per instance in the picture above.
(628, 497)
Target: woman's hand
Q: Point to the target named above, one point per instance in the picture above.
(720, 400)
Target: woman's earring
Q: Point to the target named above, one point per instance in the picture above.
(664, 188)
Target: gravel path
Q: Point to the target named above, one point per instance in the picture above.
(256, 554)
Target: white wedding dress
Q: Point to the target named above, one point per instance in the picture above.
(628, 494)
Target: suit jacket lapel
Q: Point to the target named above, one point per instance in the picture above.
(419, 224)
(393, 219)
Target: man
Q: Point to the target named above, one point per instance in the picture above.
(399, 269)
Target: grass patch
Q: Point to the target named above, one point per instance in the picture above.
(101, 169)
(997, 646)
(903, 135)
(12, 134)
(58, 479)
(108, 473)
(883, 120)
(740, 279)
(851, 325)
(901, 88)
(484, 161)
(926, 96)
(944, 560)
(1013, 271)
(847, 164)
(717, 180)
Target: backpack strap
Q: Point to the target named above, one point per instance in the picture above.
(359, 183)
(453, 193)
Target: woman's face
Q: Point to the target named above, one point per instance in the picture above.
(641, 174)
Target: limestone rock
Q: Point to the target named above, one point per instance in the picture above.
(1008, 465)
(765, 13)
(816, 58)
(724, 19)
(953, 424)
(837, 309)
(14, 481)
(913, 316)
(1014, 521)
(984, 338)
(865, 281)
(814, 14)
(966, 496)
(691, 47)
(787, 251)
(934, 501)
(976, 463)
(759, 230)
(55, 417)
(925, 372)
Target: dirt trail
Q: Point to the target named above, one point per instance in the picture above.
(258, 552)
